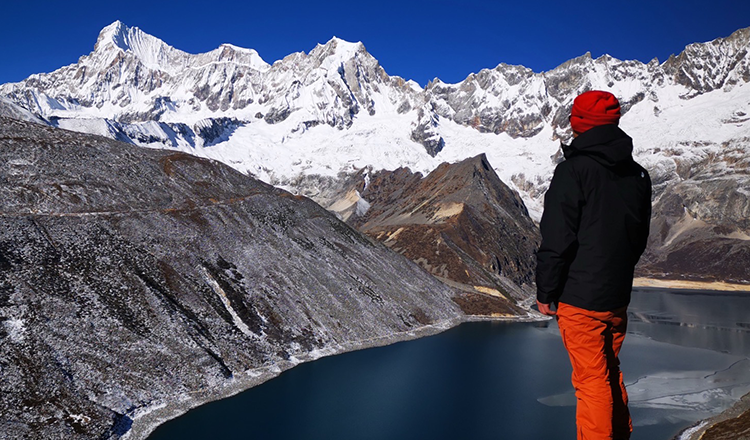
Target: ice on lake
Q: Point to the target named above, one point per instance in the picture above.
(686, 356)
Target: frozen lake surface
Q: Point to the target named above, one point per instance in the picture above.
(686, 358)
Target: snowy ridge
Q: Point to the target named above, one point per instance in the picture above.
(152, 52)
(157, 55)
(335, 109)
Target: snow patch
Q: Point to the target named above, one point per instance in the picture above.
(16, 330)
(362, 205)
(225, 300)
(686, 434)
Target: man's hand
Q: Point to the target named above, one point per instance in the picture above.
(545, 309)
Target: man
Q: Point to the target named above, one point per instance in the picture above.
(594, 229)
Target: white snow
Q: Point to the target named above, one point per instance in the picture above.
(224, 300)
(686, 434)
(362, 205)
(16, 329)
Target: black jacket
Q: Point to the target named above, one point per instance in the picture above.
(595, 224)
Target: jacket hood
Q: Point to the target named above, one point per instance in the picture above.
(607, 144)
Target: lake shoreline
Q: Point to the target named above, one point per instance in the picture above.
(146, 419)
(718, 286)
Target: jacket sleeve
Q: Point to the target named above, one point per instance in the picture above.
(559, 227)
(646, 217)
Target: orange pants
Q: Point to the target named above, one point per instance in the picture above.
(593, 341)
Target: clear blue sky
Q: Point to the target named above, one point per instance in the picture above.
(417, 40)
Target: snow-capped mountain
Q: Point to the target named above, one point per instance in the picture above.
(335, 109)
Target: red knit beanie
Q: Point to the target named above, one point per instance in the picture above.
(594, 108)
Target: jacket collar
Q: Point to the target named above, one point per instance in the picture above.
(607, 144)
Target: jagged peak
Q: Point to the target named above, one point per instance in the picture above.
(512, 73)
(126, 38)
(740, 38)
(740, 35)
(338, 50)
(466, 167)
(346, 47)
(157, 54)
(583, 59)
(481, 161)
(112, 33)
(476, 172)
(232, 53)
(329, 55)
(737, 43)
(150, 50)
(233, 48)
(435, 82)
(607, 58)
(504, 67)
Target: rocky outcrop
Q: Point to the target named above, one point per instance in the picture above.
(460, 222)
(732, 424)
(426, 134)
(132, 279)
(702, 68)
(215, 130)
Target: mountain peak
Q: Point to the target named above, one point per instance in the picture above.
(114, 33)
(343, 45)
(742, 36)
(338, 49)
(122, 36)
(230, 52)
(580, 60)
(150, 50)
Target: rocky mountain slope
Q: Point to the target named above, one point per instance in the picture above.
(701, 221)
(138, 283)
(460, 222)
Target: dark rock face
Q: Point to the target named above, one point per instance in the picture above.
(426, 134)
(460, 222)
(215, 129)
(131, 277)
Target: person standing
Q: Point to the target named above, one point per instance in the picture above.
(594, 229)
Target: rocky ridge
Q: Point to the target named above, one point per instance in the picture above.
(460, 223)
